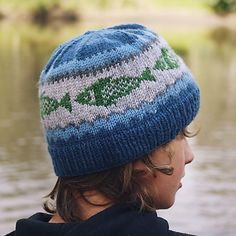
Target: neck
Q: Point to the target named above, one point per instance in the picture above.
(95, 203)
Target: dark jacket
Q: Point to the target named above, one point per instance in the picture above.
(118, 220)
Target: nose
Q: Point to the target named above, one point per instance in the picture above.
(189, 157)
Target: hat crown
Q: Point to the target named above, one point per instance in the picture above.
(97, 49)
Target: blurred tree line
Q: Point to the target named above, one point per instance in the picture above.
(70, 10)
(224, 6)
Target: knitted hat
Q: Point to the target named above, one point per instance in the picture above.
(111, 96)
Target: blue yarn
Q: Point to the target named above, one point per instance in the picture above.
(95, 50)
(121, 137)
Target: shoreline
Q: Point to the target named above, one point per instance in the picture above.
(183, 18)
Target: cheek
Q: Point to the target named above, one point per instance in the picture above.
(164, 192)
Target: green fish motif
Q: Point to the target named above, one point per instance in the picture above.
(107, 91)
(167, 61)
(48, 105)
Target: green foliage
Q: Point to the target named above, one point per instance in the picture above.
(44, 11)
(102, 4)
(29, 4)
(182, 3)
(129, 3)
(224, 6)
(41, 11)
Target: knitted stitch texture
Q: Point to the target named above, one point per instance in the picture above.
(111, 96)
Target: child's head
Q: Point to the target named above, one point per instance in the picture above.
(111, 103)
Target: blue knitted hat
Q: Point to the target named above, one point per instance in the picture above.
(111, 96)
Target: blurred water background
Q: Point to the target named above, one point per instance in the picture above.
(206, 203)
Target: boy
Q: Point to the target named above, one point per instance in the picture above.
(115, 104)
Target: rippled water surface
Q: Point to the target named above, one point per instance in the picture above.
(206, 203)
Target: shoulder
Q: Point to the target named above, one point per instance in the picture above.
(37, 217)
(148, 223)
(135, 223)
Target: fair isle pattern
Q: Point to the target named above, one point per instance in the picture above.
(94, 128)
(110, 96)
(127, 67)
(110, 92)
(104, 92)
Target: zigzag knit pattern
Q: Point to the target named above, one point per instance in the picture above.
(111, 96)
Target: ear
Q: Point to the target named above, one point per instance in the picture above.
(141, 166)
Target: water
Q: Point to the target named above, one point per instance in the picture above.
(205, 204)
